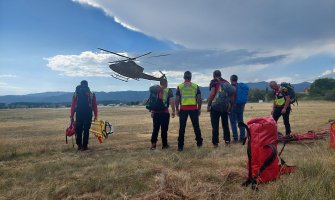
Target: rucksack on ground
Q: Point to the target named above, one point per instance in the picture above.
(291, 91)
(155, 101)
(222, 99)
(242, 91)
(263, 163)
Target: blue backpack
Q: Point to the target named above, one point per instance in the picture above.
(242, 91)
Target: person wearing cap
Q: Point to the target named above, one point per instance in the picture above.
(218, 84)
(83, 104)
(188, 103)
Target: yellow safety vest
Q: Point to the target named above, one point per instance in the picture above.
(188, 92)
(165, 96)
(279, 101)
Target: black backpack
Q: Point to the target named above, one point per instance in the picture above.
(84, 99)
(222, 99)
(290, 91)
(154, 102)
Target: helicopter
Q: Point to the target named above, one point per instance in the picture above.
(128, 69)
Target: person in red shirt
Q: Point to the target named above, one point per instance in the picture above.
(83, 104)
(188, 103)
(161, 118)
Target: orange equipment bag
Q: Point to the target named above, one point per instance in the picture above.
(332, 135)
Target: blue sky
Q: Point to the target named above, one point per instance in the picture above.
(49, 45)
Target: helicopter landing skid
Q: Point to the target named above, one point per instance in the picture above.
(120, 77)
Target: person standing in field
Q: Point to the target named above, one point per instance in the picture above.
(83, 104)
(160, 114)
(281, 105)
(237, 109)
(219, 103)
(188, 103)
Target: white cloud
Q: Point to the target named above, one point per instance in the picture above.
(305, 27)
(281, 79)
(328, 73)
(85, 64)
(198, 61)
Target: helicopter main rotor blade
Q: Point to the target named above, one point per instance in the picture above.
(141, 55)
(115, 53)
(159, 55)
(163, 75)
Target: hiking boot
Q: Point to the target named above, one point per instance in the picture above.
(180, 149)
(84, 148)
(79, 147)
(153, 146)
(165, 146)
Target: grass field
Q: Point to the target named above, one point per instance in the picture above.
(35, 162)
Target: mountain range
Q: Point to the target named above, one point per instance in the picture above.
(122, 96)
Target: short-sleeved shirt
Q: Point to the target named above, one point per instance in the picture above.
(188, 107)
(169, 96)
(216, 83)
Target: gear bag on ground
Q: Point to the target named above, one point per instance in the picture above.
(332, 135)
(263, 163)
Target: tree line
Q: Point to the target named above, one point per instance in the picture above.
(321, 89)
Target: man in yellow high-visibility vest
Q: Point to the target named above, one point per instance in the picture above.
(281, 105)
(188, 103)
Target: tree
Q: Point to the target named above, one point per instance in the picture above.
(321, 87)
(256, 94)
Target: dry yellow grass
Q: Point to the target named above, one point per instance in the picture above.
(35, 162)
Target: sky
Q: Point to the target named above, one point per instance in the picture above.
(48, 45)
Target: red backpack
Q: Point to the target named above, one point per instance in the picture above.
(263, 163)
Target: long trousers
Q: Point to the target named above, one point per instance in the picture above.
(83, 124)
(237, 116)
(286, 117)
(194, 115)
(160, 121)
(215, 120)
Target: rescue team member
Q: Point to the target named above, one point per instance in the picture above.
(216, 85)
(188, 103)
(281, 105)
(236, 114)
(83, 103)
(161, 119)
